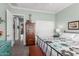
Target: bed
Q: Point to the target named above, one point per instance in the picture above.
(5, 48)
(66, 45)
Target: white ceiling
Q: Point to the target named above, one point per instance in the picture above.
(44, 7)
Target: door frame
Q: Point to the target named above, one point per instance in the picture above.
(12, 43)
(6, 23)
(24, 25)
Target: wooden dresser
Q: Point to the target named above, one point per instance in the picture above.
(30, 33)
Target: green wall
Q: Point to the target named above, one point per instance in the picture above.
(70, 13)
(60, 19)
(35, 15)
(3, 7)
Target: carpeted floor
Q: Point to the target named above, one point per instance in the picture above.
(19, 49)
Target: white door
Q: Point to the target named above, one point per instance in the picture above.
(10, 36)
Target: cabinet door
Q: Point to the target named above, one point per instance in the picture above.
(31, 42)
(30, 34)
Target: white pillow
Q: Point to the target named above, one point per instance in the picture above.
(67, 35)
(76, 38)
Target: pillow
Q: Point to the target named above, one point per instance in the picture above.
(67, 35)
(76, 38)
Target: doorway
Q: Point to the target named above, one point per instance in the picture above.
(18, 27)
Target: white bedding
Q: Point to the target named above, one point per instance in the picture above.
(76, 38)
(67, 35)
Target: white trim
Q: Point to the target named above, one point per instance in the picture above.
(18, 14)
(24, 36)
(27, 9)
(63, 8)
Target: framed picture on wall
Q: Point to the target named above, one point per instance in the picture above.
(74, 25)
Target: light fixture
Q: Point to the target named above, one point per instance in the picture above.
(58, 30)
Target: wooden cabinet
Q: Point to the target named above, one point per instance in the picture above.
(30, 33)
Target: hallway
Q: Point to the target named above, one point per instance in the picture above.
(19, 49)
